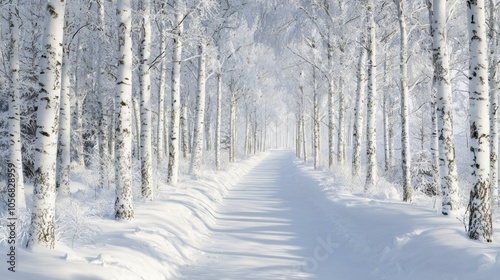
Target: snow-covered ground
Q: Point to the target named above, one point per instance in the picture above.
(282, 220)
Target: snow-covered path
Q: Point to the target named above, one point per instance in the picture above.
(267, 228)
(281, 222)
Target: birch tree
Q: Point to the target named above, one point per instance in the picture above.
(405, 138)
(42, 230)
(232, 121)
(145, 87)
(15, 150)
(331, 97)
(103, 99)
(480, 221)
(494, 92)
(200, 115)
(173, 159)
(123, 204)
(163, 83)
(218, 121)
(359, 107)
(371, 149)
(64, 146)
(434, 117)
(447, 164)
(316, 135)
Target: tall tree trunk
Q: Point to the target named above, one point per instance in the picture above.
(145, 87)
(494, 92)
(173, 159)
(104, 121)
(371, 149)
(434, 117)
(341, 130)
(331, 117)
(405, 137)
(218, 121)
(80, 100)
(304, 143)
(232, 125)
(480, 221)
(247, 134)
(184, 131)
(137, 118)
(447, 164)
(208, 127)
(42, 231)
(64, 146)
(387, 109)
(123, 205)
(161, 100)
(255, 130)
(15, 164)
(200, 115)
(315, 121)
(359, 107)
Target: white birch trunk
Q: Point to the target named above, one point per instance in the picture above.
(232, 126)
(80, 98)
(161, 101)
(255, 131)
(315, 121)
(137, 121)
(104, 122)
(371, 149)
(42, 231)
(405, 137)
(246, 148)
(434, 117)
(331, 117)
(480, 220)
(447, 164)
(200, 115)
(208, 127)
(145, 87)
(123, 204)
(494, 92)
(15, 163)
(184, 131)
(387, 108)
(64, 128)
(359, 107)
(173, 158)
(218, 121)
(341, 130)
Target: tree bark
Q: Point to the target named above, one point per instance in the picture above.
(359, 107)
(15, 162)
(405, 137)
(480, 220)
(331, 117)
(315, 121)
(161, 101)
(123, 204)
(42, 230)
(173, 159)
(447, 164)
(200, 115)
(218, 121)
(371, 150)
(494, 92)
(145, 87)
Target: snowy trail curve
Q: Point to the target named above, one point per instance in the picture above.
(267, 228)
